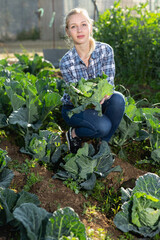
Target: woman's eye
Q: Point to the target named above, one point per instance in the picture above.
(72, 27)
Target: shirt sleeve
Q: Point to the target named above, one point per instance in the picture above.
(108, 65)
(67, 76)
(66, 70)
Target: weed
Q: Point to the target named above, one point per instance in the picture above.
(31, 180)
(57, 204)
(70, 183)
(156, 237)
(24, 167)
(109, 200)
(3, 134)
(99, 234)
(127, 236)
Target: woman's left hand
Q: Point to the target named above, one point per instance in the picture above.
(106, 97)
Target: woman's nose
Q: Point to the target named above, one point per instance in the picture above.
(79, 28)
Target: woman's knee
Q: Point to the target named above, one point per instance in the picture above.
(104, 128)
(117, 98)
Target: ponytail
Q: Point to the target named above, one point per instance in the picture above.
(92, 46)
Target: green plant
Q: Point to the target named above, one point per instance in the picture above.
(6, 175)
(108, 199)
(24, 167)
(45, 147)
(37, 223)
(10, 200)
(90, 211)
(31, 92)
(3, 134)
(70, 183)
(139, 124)
(4, 159)
(32, 179)
(99, 234)
(141, 207)
(85, 166)
(134, 34)
(86, 94)
(126, 236)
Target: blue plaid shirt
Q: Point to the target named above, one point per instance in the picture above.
(101, 61)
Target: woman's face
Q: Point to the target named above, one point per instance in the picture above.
(79, 28)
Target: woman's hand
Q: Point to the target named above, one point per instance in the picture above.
(106, 97)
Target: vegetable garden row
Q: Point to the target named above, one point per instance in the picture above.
(30, 104)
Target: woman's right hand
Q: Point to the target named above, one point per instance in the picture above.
(106, 97)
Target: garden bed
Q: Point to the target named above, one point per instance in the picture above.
(33, 135)
(53, 194)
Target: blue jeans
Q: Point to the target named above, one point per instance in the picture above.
(89, 124)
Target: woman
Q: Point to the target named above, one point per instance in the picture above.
(89, 59)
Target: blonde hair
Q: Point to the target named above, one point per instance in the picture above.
(90, 21)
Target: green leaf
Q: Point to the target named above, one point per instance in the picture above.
(4, 159)
(86, 166)
(88, 94)
(21, 118)
(33, 220)
(14, 92)
(141, 208)
(103, 88)
(155, 155)
(89, 183)
(145, 210)
(6, 177)
(62, 223)
(3, 120)
(26, 197)
(71, 166)
(8, 199)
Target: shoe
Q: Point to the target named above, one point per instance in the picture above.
(73, 143)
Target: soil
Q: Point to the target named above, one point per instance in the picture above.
(53, 194)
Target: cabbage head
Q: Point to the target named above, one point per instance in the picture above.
(141, 207)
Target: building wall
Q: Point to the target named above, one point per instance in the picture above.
(22, 15)
(17, 16)
(46, 32)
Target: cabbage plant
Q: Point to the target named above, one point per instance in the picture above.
(141, 207)
(87, 94)
(6, 175)
(85, 166)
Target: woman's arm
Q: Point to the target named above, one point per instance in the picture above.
(66, 73)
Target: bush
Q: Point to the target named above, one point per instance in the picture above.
(134, 34)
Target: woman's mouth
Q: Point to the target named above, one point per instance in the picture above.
(80, 36)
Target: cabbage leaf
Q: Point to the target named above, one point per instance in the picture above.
(88, 94)
(84, 167)
(141, 207)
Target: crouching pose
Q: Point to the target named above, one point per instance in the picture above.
(89, 59)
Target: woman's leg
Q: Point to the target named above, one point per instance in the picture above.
(113, 108)
(88, 123)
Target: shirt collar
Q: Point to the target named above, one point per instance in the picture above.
(77, 57)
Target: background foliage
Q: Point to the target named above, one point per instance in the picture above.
(134, 34)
